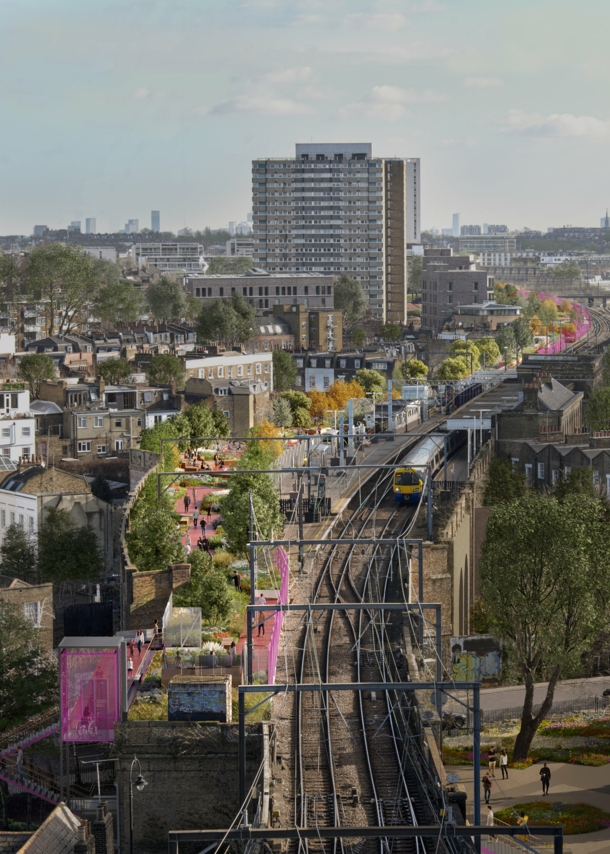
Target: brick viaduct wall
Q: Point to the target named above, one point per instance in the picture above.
(148, 592)
(192, 776)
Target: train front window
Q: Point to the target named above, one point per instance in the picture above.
(407, 478)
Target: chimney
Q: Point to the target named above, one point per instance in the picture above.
(103, 830)
(84, 843)
(530, 395)
(102, 383)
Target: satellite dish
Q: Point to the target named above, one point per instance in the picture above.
(453, 778)
(443, 697)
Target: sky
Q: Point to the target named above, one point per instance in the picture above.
(112, 108)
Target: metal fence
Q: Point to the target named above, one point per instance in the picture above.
(592, 703)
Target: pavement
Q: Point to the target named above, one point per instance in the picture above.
(570, 689)
(569, 784)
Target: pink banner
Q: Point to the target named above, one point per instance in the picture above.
(282, 564)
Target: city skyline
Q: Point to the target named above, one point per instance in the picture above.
(500, 114)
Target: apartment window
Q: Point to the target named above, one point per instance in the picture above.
(226, 413)
(221, 392)
(312, 382)
(567, 470)
(240, 370)
(210, 373)
(157, 419)
(313, 363)
(21, 519)
(81, 421)
(3, 518)
(101, 450)
(118, 422)
(540, 471)
(221, 292)
(528, 474)
(306, 290)
(25, 452)
(98, 420)
(475, 286)
(449, 286)
(299, 363)
(12, 518)
(450, 299)
(266, 367)
(595, 478)
(197, 292)
(327, 363)
(31, 524)
(342, 363)
(221, 372)
(139, 422)
(6, 432)
(249, 370)
(230, 373)
(554, 476)
(356, 363)
(118, 444)
(326, 382)
(245, 290)
(31, 611)
(84, 447)
(25, 431)
(258, 368)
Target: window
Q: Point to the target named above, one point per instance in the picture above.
(356, 363)
(81, 421)
(221, 392)
(312, 382)
(25, 452)
(25, 431)
(12, 518)
(31, 524)
(554, 476)
(528, 474)
(226, 413)
(258, 368)
(210, 373)
(326, 382)
(6, 432)
(139, 422)
(21, 519)
(118, 422)
(84, 447)
(342, 363)
(567, 470)
(595, 478)
(475, 286)
(221, 372)
(101, 450)
(540, 471)
(31, 611)
(98, 420)
(118, 444)
(230, 373)
(240, 370)
(515, 463)
(158, 419)
(449, 286)
(313, 363)
(3, 518)
(266, 367)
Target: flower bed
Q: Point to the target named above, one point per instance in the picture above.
(574, 818)
(594, 757)
(596, 728)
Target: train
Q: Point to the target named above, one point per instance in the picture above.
(410, 476)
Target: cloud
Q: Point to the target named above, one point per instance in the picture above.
(379, 21)
(389, 103)
(556, 125)
(262, 105)
(142, 94)
(482, 82)
(290, 75)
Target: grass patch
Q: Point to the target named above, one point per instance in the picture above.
(574, 818)
(594, 758)
(149, 709)
(263, 713)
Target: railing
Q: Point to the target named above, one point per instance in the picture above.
(29, 729)
(560, 707)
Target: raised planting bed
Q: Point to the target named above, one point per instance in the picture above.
(574, 818)
(592, 728)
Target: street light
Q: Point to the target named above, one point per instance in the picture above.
(139, 783)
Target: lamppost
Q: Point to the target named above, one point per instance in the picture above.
(139, 783)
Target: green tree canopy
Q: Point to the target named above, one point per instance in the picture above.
(358, 336)
(413, 369)
(466, 349)
(370, 380)
(503, 484)
(115, 371)
(154, 542)
(415, 273)
(227, 321)
(570, 271)
(453, 368)
(390, 332)
(235, 509)
(165, 369)
(33, 369)
(505, 339)
(119, 302)
(282, 414)
(544, 570)
(598, 409)
(206, 421)
(28, 676)
(489, 348)
(18, 557)
(578, 481)
(300, 405)
(166, 299)
(532, 305)
(230, 266)
(67, 552)
(350, 298)
(284, 370)
(522, 333)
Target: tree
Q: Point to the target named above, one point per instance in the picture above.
(358, 336)
(547, 312)
(34, 368)
(390, 332)
(413, 369)
(505, 339)
(578, 482)
(235, 509)
(65, 279)
(115, 371)
(165, 369)
(370, 380)
(234, 266)
(453, 369)
(340, 392)
(284, 370)
(205, 421)
(522, 334)
(151, 440)
(544, 569)
(282, 414)
(467, 349)
(118, 301)
(67, 552)
(489, 348)
(503, 484)
(18, 557)
(28, 676)
(350, 298)
(208, 589)
(270, 443)
(300, 405)
(598, 409)
(532, 305)
(415, 274)
(570, 272)
(166, 299)
(226, 321)
(155, 541)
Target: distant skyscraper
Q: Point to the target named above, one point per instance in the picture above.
(90, 225)
(133, 226)
(470, 230)
(40, 230)
(455, 225)
(155, 221)
(232, 228)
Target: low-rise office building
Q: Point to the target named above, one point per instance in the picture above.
(265, 290)
(169, 257)
(487, 315)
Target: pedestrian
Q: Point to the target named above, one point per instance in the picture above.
(131, 647)
(139, 640)
(490, 819)
(209, 512)
(237, 580)
(187, 501)
(261, 615)
(195, 517)
(130, 666)
(487, 784)
(187, 547)
(232, 652)
(202, 523)
(19, 761)
(545, 777)
(504, 764)
(492, 758)
(156, 628)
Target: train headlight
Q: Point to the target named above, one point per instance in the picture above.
(396, 489)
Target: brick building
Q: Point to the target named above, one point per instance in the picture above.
(35, 601)
(449, 281)
(545, 409)
(318, 330)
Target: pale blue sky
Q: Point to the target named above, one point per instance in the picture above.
(114, 107)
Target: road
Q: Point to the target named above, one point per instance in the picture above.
(570, 689)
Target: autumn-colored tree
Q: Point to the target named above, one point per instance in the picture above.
(266, 430)
(340, 392)
(565, 307)
(319, 403)
(568, 330)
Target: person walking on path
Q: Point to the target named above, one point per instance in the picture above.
(209, 512)
(232, 652)
(489, 820)
(139, 640)
(261, 615)
(545, 776)
(195, 518)
(202, 523)
(487, 784)
(492, 758)
(187, 502)
(504, 764)
(237, 580)
(130, 666)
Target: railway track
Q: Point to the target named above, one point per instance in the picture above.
(600, 322)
